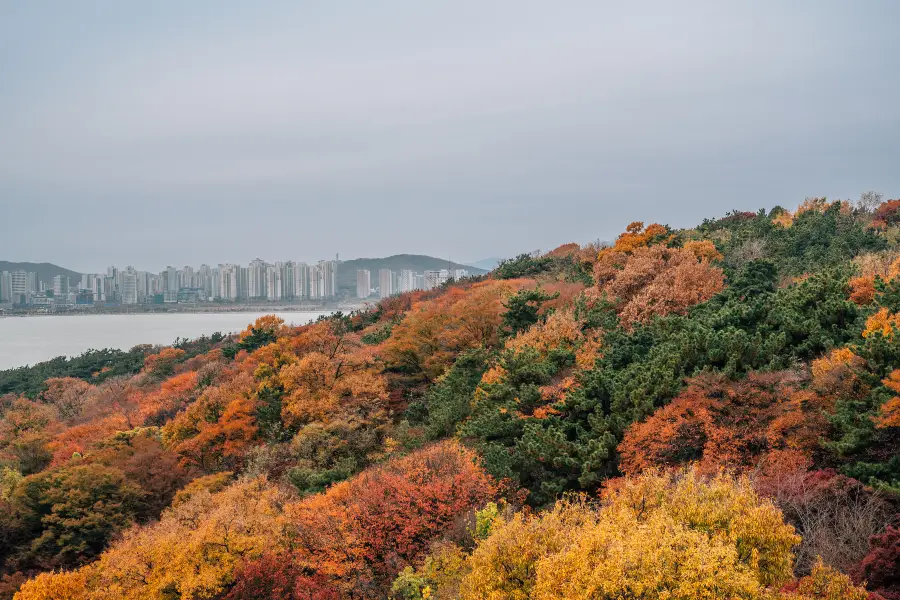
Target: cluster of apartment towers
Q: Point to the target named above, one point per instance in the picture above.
(287, 280)
(397, 282)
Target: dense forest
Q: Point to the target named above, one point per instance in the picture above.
(686, 413)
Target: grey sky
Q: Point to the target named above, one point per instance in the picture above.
(173, 132)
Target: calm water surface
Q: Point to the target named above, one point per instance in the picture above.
(29, 340)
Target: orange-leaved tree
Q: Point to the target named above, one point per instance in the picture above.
(214, 432)
(726, 424)
(364, 531)
(192, 552)
(431, 335)
(656, 280)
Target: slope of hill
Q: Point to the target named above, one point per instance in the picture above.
(45, 271)
(487, 264)
(415, 262)
(723, 401)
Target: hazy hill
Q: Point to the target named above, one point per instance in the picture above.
(488, 264)
(346, 279)
(45, 271)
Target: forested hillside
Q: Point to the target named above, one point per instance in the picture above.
(687, 413)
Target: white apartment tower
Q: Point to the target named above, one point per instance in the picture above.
(436, 278)
(328, 277)
(363, 283)
(301, 280)
(129, 286)
(228, 282)
(315, 282)
(385, 283)
(407, 281)
(257, 276)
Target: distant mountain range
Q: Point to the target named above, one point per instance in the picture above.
(45, 271)
(346, 278)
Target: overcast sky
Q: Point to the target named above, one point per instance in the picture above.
(172, 132)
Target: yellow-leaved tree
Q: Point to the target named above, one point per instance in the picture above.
(191, 553)
(672, 536)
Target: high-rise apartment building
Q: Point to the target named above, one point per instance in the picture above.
(385, 283)
(60, 286)
(315, 282)
(273, 283)
(204, 280)
(407, 281)
(228, 282)
(243, 283)
(328, 275)
(257, 276)
(301, 280)
(19, 285)
(129, 286)
(436, 278)
(286, 273)
(171, 278)
(5, 287)
(460, 274)
(186, 278)
(363, 283)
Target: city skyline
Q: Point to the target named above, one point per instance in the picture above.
(228, 282)
(258, 280)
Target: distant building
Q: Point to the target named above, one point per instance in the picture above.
(129, 286)
(257, 279)
(243, 292)
(20, 285)
(460, 274)
(191, 296)
(186, 278)
(328, 275)
(60, 286)
(228, 282)
(5, 287)
(288, 274)
(42, 300)
(407, 281)
(315, 282)
(363, 283)
(436, 278)
(385, 283)
(301, 280)
(204, 280)
(171, 279)
(273, 283)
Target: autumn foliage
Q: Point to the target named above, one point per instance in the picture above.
(722, 424)
(695, 413)
(656, 536)
(366, 530)
(655, 281)
(435, 331)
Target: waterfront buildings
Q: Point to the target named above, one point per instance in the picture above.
(258, 282)
(385, 283)
(363, 283)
